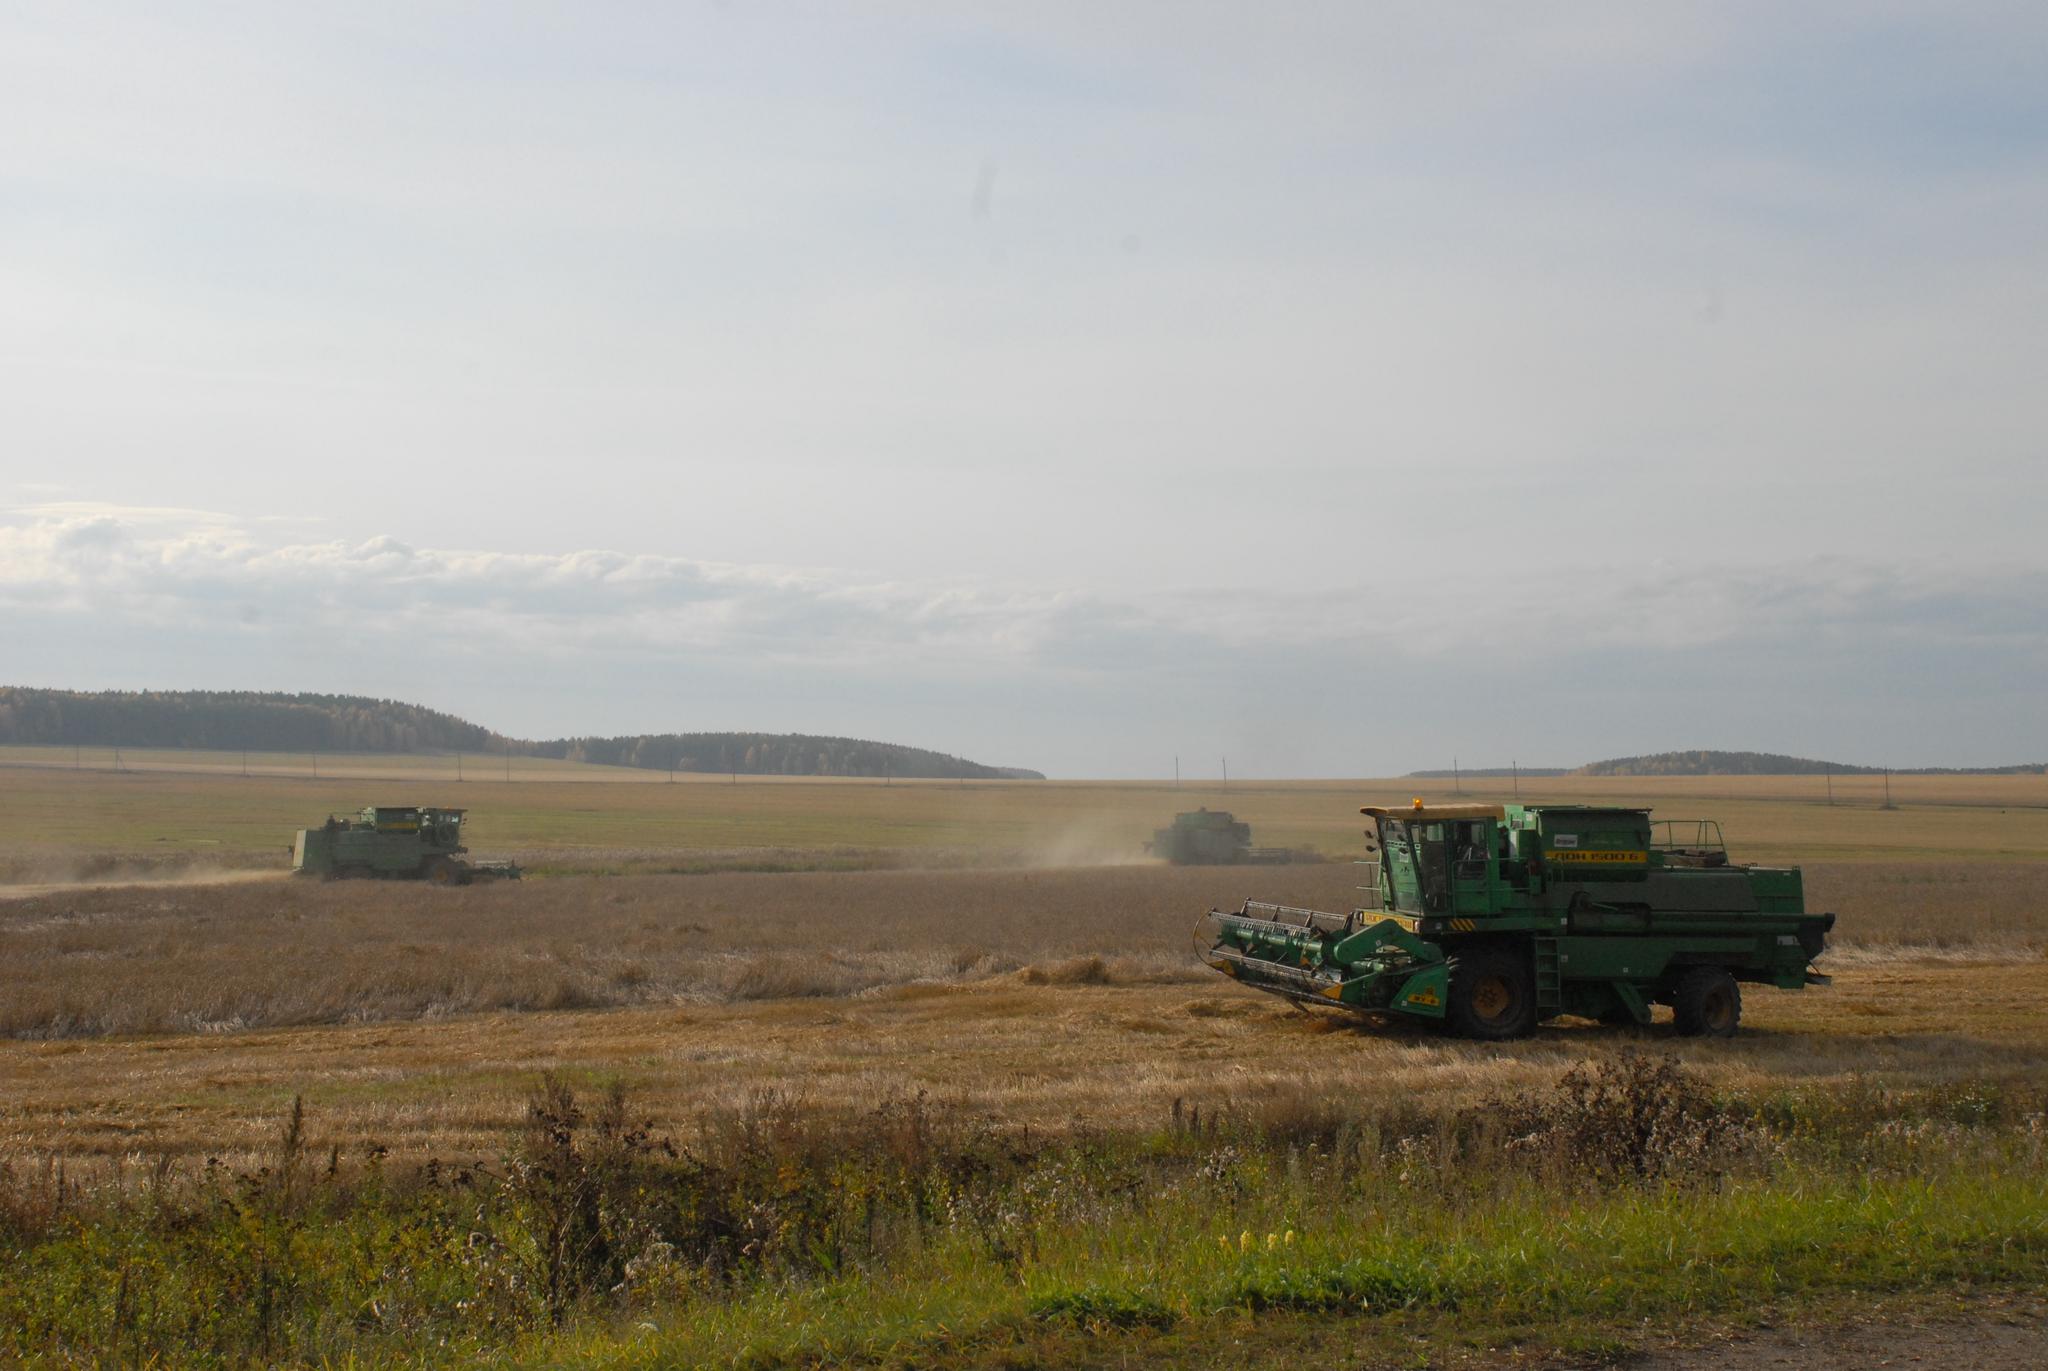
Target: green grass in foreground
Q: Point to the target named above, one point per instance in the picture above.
(776, 1236)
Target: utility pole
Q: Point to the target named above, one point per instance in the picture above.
(1176, 771)
(1888, 789)
(1226, 773)
(1517, 765)
(1457, 781)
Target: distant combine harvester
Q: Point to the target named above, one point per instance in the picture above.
(1212, 837)
(393, 843)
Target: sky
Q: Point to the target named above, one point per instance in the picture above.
(1337, 389)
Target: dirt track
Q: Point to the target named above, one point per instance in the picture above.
(39, 889)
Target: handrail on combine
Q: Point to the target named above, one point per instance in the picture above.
(1706, 835)
(1704, 848)
(1374, 898)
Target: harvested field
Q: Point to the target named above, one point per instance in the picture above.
(215, 958)
(1045, 1054)
(403, 1011)
(276, 953)
(83, 825)
(978, 1003)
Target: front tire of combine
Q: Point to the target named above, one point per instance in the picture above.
(1706, 1003)
(441, 871)
(1493, 995)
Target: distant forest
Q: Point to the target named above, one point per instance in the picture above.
(263, 721)
(772, 754)
(1714, 763)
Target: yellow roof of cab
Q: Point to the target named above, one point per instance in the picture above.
(1437, 813)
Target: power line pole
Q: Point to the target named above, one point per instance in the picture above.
(1457, 781)
(1518, 780)
(1226, 773)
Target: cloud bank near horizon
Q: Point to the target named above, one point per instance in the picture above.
(1924, 663)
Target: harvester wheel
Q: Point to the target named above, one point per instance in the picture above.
(441, 871)
(1493, 995)
(1706, 1003)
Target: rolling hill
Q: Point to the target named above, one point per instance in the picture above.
(268, 721)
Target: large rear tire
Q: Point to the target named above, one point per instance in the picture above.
(1706, 1003)
(1493, 994)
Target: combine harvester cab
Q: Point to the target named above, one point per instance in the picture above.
(1491, 919)
(393, 842)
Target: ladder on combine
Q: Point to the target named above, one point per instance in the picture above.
(1549, 978)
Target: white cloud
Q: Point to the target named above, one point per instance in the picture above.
(186, 568)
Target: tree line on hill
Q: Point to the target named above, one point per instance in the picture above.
(233, 719)
(774, 754)
(267, 721)
(1712, 762)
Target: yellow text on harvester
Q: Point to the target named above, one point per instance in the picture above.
(1582, 855)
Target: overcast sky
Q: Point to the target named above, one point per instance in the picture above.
(1336, 388)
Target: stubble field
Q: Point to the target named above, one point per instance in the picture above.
(988, 955)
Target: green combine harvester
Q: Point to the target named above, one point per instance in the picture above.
(1212, 837)
(1490, 919)
(393, 842)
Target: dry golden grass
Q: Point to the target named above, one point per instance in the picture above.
(1046, 1055)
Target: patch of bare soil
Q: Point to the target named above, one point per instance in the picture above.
(2006, 1339)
